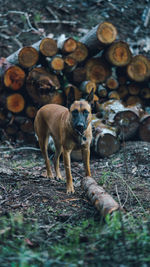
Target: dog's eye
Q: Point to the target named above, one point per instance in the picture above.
(85, 112)
(75, 112)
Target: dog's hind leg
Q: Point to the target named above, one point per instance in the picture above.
(58, 152)
(43, 142)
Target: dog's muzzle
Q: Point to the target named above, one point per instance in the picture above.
(80, 128)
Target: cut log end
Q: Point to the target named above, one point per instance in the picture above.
(14, 77)
(119, 54)
(69, 45)
(15, 103)
(57, 63)
(28, 57)
(80, 53)
(139, 68)
(106, 33)
(97, 71)
(48, 47)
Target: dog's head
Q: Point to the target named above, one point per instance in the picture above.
(80, 115)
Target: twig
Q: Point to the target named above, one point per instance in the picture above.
(52, 12)
(21, 13)
(147, 18)
(19, 149)
(58, 22)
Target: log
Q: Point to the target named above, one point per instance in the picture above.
(103, 202)
(66, 45)
(139, 68)
(112, 83)
(27, 126)
(105, 141)
(43, 87)
(11, 129)
(125, 119)
(87, 86)
(14, 77)
(133, 100)
(13, 58)
(97, 70)
(114, 95)
(119, 54)
(15, 103)
(101, 91)
(127, 122)
(48, 47)
(3, 117)
(31, 111)
(56, 63)
(28, 57)
(70, 63)
(144, 128)
(122, 91)
(72, 93)
(134, 88)
(79, 74)
(80, 53)
(101, 35)
(145, 93)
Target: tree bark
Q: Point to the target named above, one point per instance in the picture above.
(101, 35)
(105, 141)
(43, 87)
(144, 128)
(103, 202)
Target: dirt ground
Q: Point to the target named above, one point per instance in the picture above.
(126, 174)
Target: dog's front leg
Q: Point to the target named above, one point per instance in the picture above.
(67, 164)
(86, 159)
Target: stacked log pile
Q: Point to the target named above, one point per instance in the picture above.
(49, 70)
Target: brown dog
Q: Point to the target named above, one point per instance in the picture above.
(69, 129)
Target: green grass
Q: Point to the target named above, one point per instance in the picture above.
(122, 239)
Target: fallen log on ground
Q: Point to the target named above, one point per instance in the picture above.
(103, 202)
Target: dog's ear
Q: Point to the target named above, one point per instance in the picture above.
(90, 97)
(70, 97)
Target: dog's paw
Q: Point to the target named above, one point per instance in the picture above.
(47, 175)
(58, 176)
(70, 189)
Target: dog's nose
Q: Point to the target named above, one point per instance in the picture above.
(80, 127)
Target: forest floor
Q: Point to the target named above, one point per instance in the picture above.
(124, 175)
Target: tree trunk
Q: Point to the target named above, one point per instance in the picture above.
(103, 202)
(103, 34)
